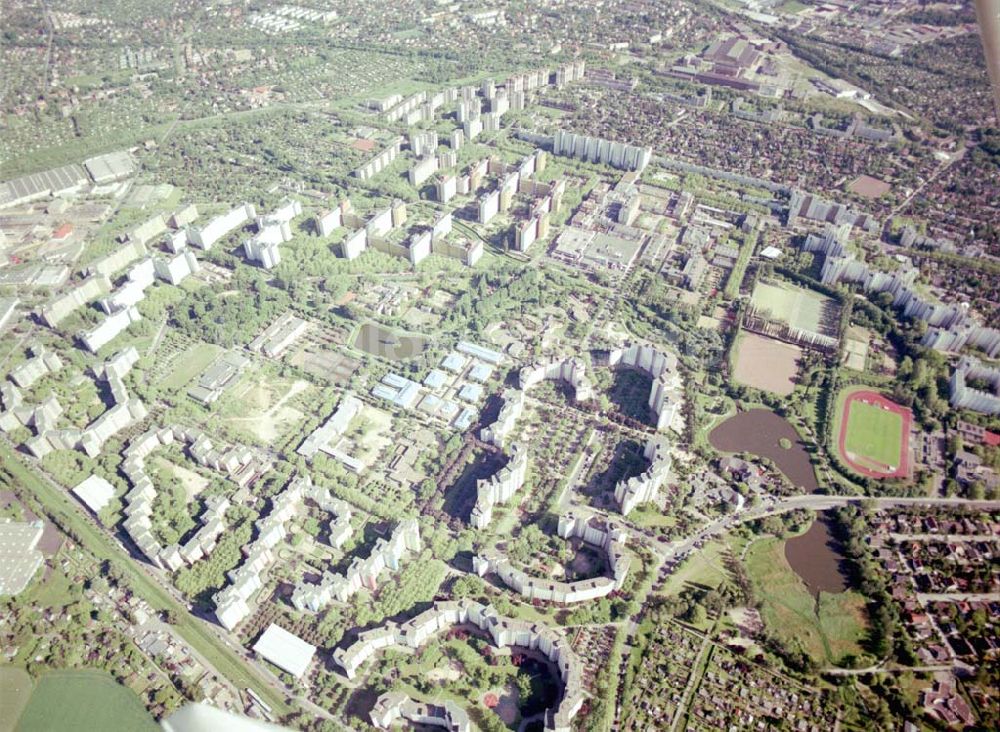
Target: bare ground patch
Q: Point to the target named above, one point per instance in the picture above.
(766, 363)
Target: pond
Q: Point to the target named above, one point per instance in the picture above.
(386, 343)
(816, 558)
(760, 432)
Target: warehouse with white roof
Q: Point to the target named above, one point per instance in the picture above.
(95, 493)
(285, 650)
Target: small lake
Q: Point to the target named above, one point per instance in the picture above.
(386, 343)
(816, 558)
(759, 431)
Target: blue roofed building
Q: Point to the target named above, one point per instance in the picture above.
(431, 404)
(471, 392)
(384, 392)
(399, 390)
(466, 418)
(454, 362)
(395, 381)
(483, 354)
(480, 372)
(435, 379)
(408, 395)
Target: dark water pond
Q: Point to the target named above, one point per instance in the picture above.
(381, 341)
(759, 431)
(815, 556)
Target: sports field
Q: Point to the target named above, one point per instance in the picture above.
(84, 701)
(766, 363)
(873, 434)
(799, 308)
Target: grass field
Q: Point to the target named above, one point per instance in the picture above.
(875, 439)
(796, 306)
(827, 629)
(259, 407)
(83, 701)
(189, 364)
(874, 434)
(15, 690)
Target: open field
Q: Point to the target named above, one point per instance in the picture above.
(826, 628)
(189, 364)
(260, 406)
(872, 434)
(869, 187)
(766, 363)
(705, 567)
(799, 308)
(83, 700)
(15, 690)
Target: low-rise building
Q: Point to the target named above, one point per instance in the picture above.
(19, 556)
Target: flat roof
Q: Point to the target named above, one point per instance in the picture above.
(454, 362)
(484, 354)
(285, 650)
(480, 372)
(471, 392)
(47, 181)
(110, 166)
(19, 559)
(95, 492)
(435, 378)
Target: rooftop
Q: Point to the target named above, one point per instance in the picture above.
(95, 492)
(285, 650)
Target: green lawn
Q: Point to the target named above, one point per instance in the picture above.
(874, 434)
(84, 701)
(705, 566)
(826, 630)
(796, 306)
(15, 690)
(189, 364)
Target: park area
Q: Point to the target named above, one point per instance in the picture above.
(81, 700)
(263, 407)
(826, 626)
(766, 363)
(873, 434)
(798, 308)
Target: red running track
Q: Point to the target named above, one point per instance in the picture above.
(871, 397)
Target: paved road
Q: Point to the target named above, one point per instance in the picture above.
(821, 503)
(953, 538)
(925, 597)
(880, 669)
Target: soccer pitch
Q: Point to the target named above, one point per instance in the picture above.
(874, 435)
(799, 308)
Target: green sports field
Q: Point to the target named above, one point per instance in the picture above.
(84, 701)
(874, 434)
(799, 308)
